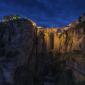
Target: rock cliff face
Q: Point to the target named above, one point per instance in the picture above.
(67, 39)
(22, 35)
(20, 38)
(16, 38)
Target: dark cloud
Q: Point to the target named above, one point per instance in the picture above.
(44, 12)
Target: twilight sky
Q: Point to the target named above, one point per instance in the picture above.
(49, 13)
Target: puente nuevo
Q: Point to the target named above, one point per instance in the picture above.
(65, 39)
(22, 42)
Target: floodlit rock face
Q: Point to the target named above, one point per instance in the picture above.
(65, 39)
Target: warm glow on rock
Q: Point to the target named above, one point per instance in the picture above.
(65, 40)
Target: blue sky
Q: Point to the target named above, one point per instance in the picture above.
(44, 12)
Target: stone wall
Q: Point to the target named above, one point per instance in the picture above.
(65, 40)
